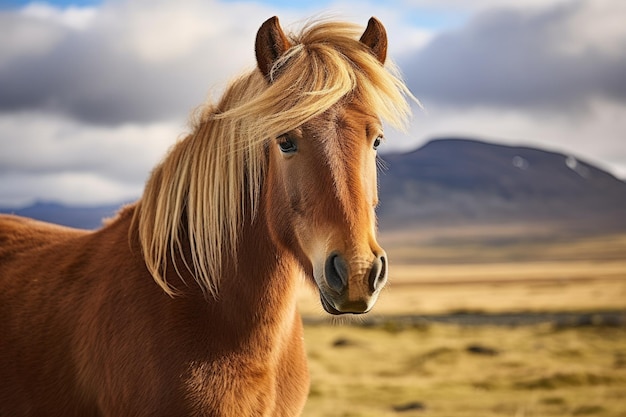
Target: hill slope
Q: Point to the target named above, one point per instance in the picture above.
(79, 217)
(460, 181)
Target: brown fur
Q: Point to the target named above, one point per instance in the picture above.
(84, 330)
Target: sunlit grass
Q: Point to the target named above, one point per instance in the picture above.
(440, 370)
(446, 370)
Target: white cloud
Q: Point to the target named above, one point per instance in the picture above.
(599, 25)
(212, 34)
(72, 17)
(54, 158)
(477, 6)
(35, 142)
(85, 189)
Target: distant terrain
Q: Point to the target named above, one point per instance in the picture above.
(82, 217)
(462, 183)
(467, 182)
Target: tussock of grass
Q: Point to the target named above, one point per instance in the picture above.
(588, 410)
(566, 380)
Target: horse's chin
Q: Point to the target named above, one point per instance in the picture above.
(330, 309)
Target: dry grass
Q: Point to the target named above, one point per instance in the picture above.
(500, 245)
(447, 370)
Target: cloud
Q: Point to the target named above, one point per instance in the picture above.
(140, 61)
(45, 157)
(92, 97)
(83, 189)
(559, 57)
(596, 136)
(43, 144)
(124, 62)
(551, 76)
(477, 6)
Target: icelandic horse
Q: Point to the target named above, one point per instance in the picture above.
(275, 182)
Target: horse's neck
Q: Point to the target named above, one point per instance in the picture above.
(257, 287)
(262, 274)
(257, 292)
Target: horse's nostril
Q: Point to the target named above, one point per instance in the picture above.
(336, 270)
(378, 273)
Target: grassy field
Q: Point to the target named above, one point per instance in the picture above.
(428, 369)
(447, 370)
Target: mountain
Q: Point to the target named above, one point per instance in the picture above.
(79, 217)
(461, 181)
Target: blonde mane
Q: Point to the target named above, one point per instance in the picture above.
(209, 184)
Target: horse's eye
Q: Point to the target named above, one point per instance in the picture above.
(287, 145)
(377, 142)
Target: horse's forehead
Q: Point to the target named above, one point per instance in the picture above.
(347, 124)
(338, 136)
(340, 141)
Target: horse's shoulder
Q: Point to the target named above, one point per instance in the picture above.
(20, 232)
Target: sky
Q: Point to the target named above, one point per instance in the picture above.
(93, 93)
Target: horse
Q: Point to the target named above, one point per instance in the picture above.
(184, 303)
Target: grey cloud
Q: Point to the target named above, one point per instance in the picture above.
(91, 83)
(516, 58)
(99, 76)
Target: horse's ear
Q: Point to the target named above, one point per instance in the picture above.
(375, 37)
(271, 43)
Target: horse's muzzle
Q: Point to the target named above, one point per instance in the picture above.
(345, 292)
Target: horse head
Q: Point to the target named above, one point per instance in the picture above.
(322, 183)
